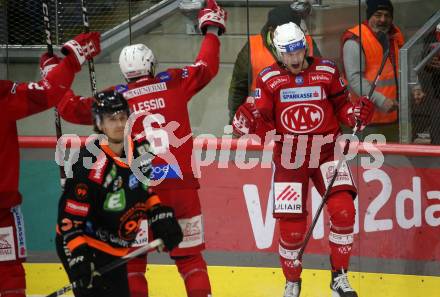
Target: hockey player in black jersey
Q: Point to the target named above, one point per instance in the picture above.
(104, 203)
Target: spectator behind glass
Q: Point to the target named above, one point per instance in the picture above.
(420, 116)
(360, 77)
(430, 82)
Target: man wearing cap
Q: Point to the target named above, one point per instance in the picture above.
(379, 18)
(259, 53)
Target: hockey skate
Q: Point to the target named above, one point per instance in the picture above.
(292, 289)
(340, 285)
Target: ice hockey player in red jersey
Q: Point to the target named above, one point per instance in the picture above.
(304, 99)
(103, 205)
(19, 100)
(161, 101)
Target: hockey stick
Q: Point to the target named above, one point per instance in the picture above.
(383, 39)
(86, 24)
(109, 267)
(58, 131)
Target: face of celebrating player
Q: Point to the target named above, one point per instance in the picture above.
(113, 125)
(294, 61)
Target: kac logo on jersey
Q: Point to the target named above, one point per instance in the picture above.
(301, 94)
(302, 118)
(299, 80)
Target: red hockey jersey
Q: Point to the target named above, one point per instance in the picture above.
(165, 98)
(310, 103)
(17, 101)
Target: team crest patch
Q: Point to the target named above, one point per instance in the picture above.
(302, 118)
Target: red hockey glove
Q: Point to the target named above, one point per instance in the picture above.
(212, 15)
(363, 111)
(246, 118)
(47, 63)
(83, 47)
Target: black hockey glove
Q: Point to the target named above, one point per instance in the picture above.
(82, 269)
(164, 225)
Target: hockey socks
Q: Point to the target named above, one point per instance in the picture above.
(195, 275)
(291, 238)
(342, 214)
(136, 277)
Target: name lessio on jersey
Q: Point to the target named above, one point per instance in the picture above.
(147, 105)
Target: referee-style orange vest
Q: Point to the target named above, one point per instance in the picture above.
(386, 83)
(261, 57)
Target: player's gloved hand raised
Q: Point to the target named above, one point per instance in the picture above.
(83, 47)
(212, 15)
(82, 269)
(363, 111)
(47, 63)
(245, 118)
(164, 225)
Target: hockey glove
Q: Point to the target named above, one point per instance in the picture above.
(164, 225)
(245, 118)
(47, 63)
(248, 120)
(83, 47)
(363, 111)
(82, 269)
(212, 15)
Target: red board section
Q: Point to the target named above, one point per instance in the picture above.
(398, 213)
(398, 208)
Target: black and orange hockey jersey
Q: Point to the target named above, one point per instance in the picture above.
(107, 198)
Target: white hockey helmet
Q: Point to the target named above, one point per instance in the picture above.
(137, 60)
(288, 38)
